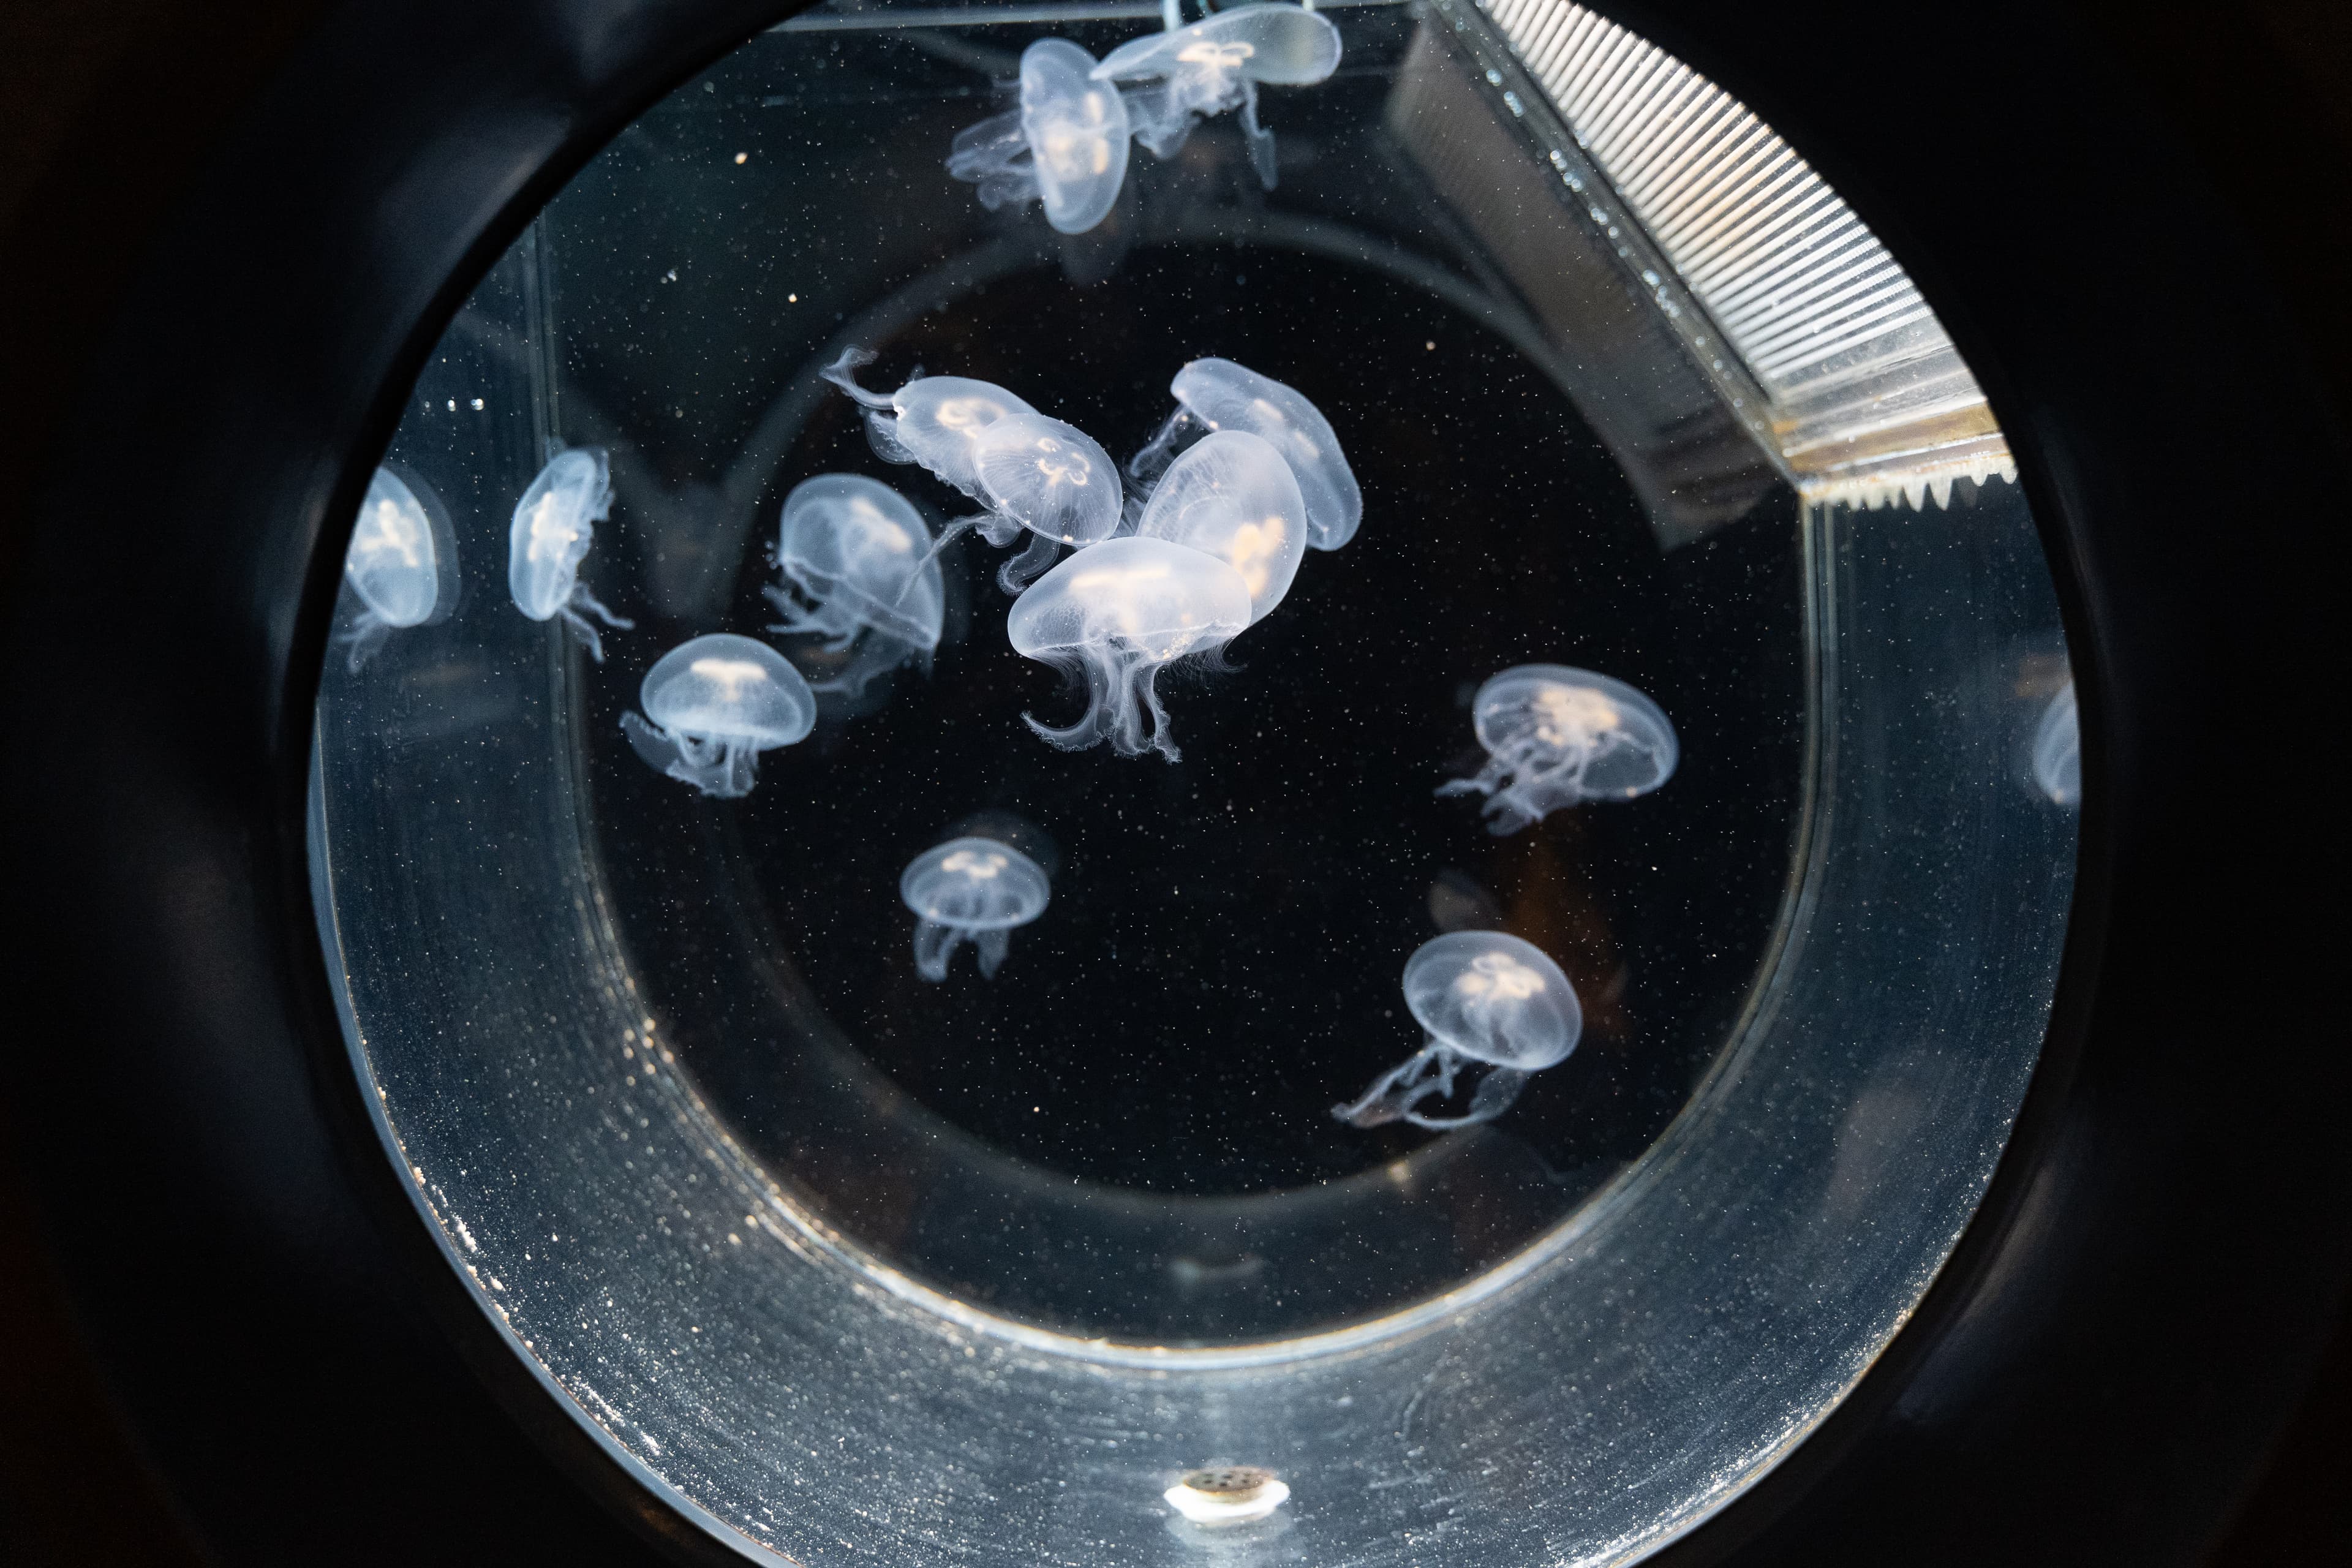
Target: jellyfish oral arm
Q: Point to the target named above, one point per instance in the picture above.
(843, 373)
(990, 946)
(1430, 1072)
(934, 945)
(1393, 1094)
(838, 628)
(581, 599)
(994, 155)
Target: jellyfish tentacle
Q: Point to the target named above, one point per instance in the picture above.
(1143, 683)
(1495, 1094)
(1015, 575)
(1089, 726)
(992, 946)
(834, 621)
(1175, 432)
(658, 749)
(367, 634)
(948, 536)
(1395, 1092)
(1259, 140)
(843, 373)
(934, 945)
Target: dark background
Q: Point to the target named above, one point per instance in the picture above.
(111, 110)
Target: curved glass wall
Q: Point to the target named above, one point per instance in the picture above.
(852, 1254)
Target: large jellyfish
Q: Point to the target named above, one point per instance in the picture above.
(1555, 736)
(933, 420)
(1067, 144)
(554, 524)
(712, 705)
(2058, 749)
(1484, 998)
(855, 558)
(1218, 395)
(974, 890)
(402, 564)
(1112, 617)
(1233, 497)
(1216, 65)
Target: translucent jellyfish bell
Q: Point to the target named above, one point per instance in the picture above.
(1218, 395)
(402, 564)
(1216, 65)
(2058, 749)
(1113, 617)
(1555, 736)
(554, 524)
(975, 890)
(1482, 997)
(857, 562)
(934, 420)
(1052, 479)
(1066, 144)
(712, 705)
(1233, 497)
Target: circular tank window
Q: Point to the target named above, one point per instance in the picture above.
(1302, 788)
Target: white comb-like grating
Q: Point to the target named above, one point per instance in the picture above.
(1870, 399)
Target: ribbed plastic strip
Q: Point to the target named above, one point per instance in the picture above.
(1871, 398)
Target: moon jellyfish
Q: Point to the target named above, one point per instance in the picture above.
(969, 889)
(1487, 1000)
(1218, 395)
(1233, 497)
(554, 524)
(1555, 736)
(1112, 617)
(1216, 65)
(934, 420)
(1049, 478)
(712, 705)
(1067, 144)
(402, 564)
(2058, 749)
(855, 558)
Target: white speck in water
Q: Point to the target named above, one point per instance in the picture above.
(742, 157)
(477, 405)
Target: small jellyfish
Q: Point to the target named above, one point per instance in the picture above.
(712, 705)
(1555, 736)
(2058, 749)
(1112, 617)
(1067, 144)
(855, 558)
(554, 524)
(934, 420)
(970, 888)
(1216, 65)
(402, 564)
(1484, 998)
(1233, 497)
(1218, 395)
